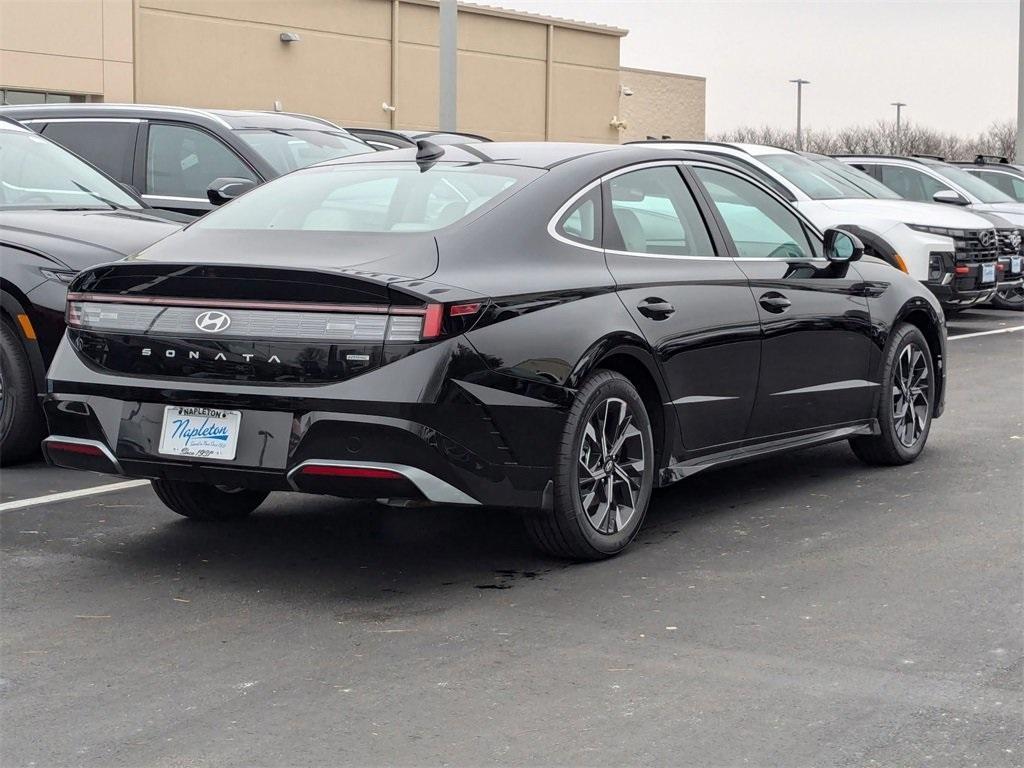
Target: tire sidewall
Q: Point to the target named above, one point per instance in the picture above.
(905, 336)
(605, 388)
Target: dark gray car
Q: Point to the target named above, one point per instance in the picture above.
(173, 155)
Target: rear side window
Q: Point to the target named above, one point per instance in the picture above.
(653, 212)
(183, 161)
(910, 184)
(375, 197)
(108, 145)
(1004, 182)
(582, 222)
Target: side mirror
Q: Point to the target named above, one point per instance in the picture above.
(841, 246)
(222, 190)
(949, 197)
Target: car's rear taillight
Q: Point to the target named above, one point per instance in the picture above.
(429, 322)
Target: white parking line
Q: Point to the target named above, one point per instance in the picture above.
(986, 333)
(7, 506)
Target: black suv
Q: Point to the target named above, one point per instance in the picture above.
(174, 155)
(556, 327)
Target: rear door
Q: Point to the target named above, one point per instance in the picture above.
(817, 334)
(692, 304)
(109, 144)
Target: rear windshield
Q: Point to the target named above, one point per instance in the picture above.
(290, 149)
(371, 197)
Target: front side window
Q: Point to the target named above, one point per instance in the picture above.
(911, 183)
(36, 173)
(287, 150)
(371, 197)
(760, 226)
(982, 190)
(857, 177)
(653, 212)
(582, 222)
(183, 162)
(1004, 182)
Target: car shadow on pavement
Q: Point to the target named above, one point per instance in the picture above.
(364, 551)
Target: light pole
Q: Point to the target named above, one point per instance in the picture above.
(1019, 155)
(448, 45)
(899, 137)
(800, 83)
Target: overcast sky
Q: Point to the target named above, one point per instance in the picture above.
(954, 63)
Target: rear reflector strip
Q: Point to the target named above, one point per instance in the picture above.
(366, 473)
(83, 448)
(461, 310)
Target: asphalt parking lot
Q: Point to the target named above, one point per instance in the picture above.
(802, 611)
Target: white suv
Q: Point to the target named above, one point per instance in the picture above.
(932, 180)
(942, 246)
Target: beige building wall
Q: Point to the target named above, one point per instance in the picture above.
(521, 76)
(81, 47)
(663, 103)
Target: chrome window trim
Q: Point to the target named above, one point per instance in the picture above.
(553, 222)
(177, 197)
(433, 488)
(138, 108)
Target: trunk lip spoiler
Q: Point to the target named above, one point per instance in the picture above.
(284, 306)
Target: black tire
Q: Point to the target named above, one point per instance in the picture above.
(199, 501)
(567, 531)
(900, 441)
(21, 419)
(1011, 299)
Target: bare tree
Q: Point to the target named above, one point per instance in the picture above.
(880, 138)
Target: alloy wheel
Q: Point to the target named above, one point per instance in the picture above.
(910, 391)
(611, 466)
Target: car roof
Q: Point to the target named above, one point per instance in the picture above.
(750, 149)
(532, 154)
(223, 118)
(920, 160)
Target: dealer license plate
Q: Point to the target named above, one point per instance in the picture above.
(1015, 264)
(988, 273)
(199, 433)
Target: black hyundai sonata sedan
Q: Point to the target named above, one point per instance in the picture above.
(556, 328)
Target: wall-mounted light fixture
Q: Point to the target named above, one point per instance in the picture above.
(387, 107)
(289, 37)
(625, 90)
(619, 125)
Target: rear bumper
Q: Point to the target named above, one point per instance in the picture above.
(472, 440)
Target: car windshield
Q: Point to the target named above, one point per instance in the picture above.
(857, 177)
(982, 190)
(289, 149)
(371, 197)
(814, 180)
(36, 173)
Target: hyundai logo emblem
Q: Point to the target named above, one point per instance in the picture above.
(213, 321)
(987, 238)
(1015, 240)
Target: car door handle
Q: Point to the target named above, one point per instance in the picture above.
(655, 308)
(774, 302)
